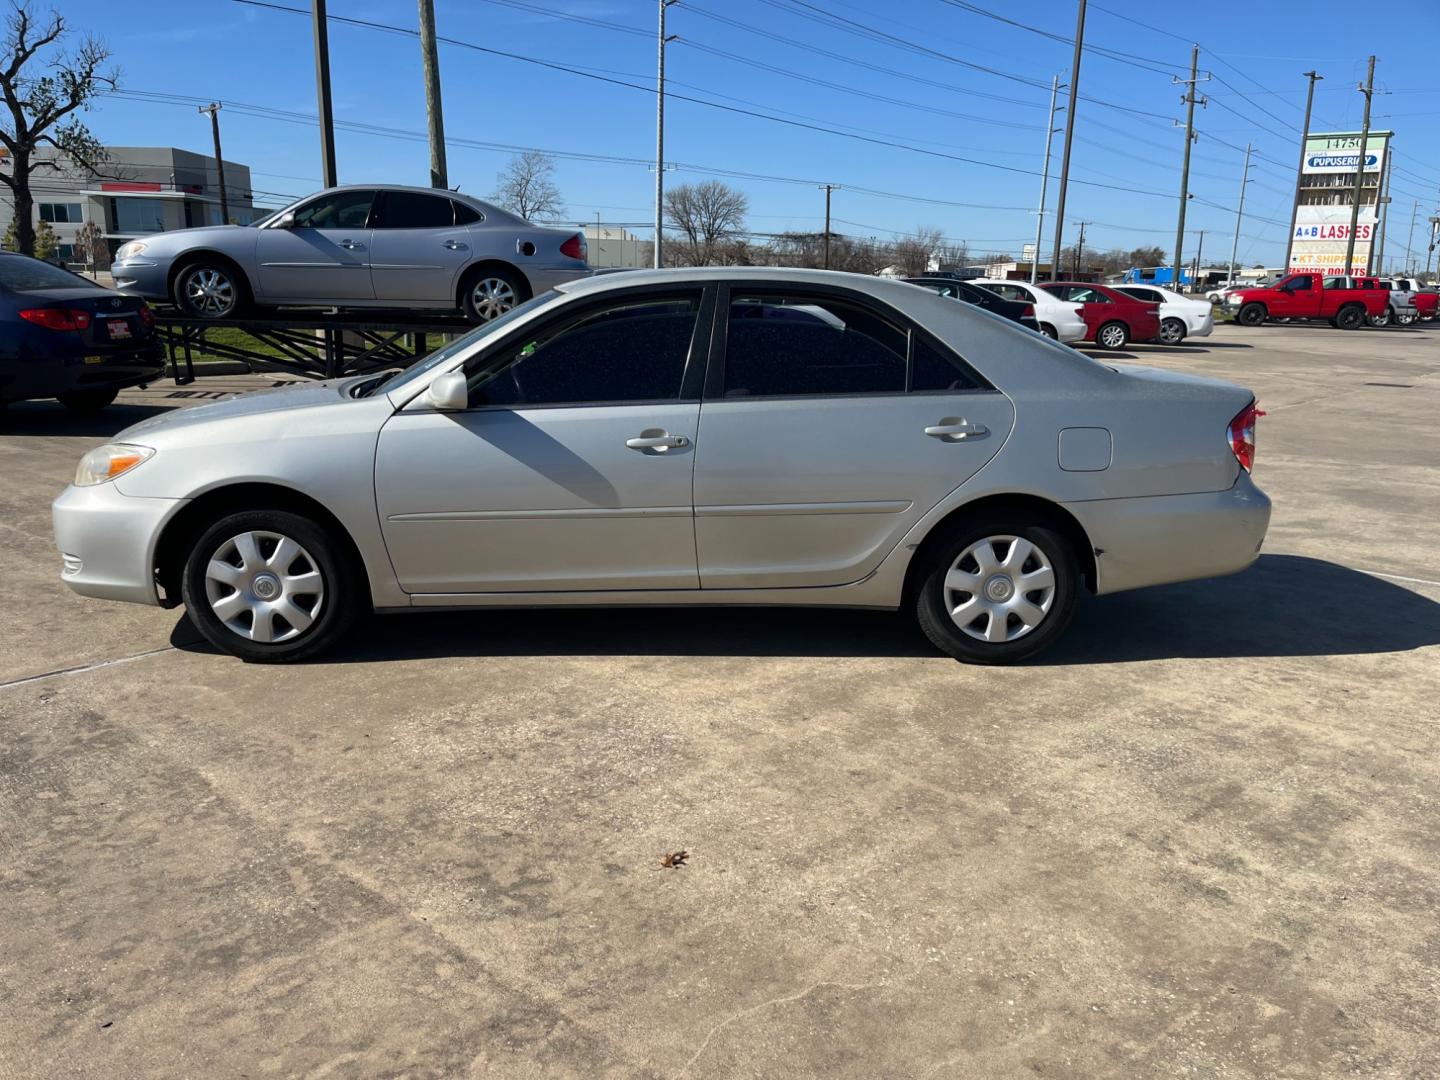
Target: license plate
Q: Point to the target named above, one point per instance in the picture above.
(119, 329)
(94, 359)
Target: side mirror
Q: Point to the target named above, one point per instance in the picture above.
(449, 392)
(285, 220)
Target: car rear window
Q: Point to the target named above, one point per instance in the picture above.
(20, 273)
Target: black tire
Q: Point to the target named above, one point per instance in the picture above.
(1113, 335)
(1429, 318)
(1049, 331)
(933, 608)
(334, 610)
(492, 281)
(1383, 319)
(1350, 317)
(1252, 314)
(1172, 331)
(1405, 318)
(86, 402)
(211, 288)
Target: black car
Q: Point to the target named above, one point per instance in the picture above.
(62, 336)
(1024, 314)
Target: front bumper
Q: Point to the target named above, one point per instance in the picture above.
(107, 541)
(1166, 538)
(142, 277)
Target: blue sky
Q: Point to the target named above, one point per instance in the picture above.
(983, 129)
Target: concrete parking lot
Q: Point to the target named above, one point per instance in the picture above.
(1200, 839)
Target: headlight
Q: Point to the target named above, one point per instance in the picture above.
(109, 461)
(130, 250)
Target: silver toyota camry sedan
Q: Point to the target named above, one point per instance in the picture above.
(715, 436)
(357, 247)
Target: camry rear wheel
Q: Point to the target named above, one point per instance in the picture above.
(1049, 331)
(997, 592)
(1113, 335)
(271, 586)
(1172, 332)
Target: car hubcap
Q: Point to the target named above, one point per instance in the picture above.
(210, 292)
(1170, 333)
(999, 589)
(1111, 337)
(264, 587)
(492, 296)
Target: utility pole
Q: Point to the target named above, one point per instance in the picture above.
(1044, 182)
(828, 188)
(1300, 169)
(214, 110)
(660, 137)
(1189, 100)
(1430, 252)
(1410, 242)
(1382, 206)
(1069, 136)
(1240, 214)
(1368, 90)
(434, 113)
(1195, 273)
(322, 90)
(1079, 249)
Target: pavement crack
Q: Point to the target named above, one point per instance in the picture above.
(80, 669)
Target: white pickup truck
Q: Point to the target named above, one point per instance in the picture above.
(1401, 309)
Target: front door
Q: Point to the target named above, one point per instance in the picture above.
(417, 250)
(831, 429)
(1297, 297)
(324, 256)
(571, 470)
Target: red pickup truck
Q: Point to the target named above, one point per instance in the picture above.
(1346, 302)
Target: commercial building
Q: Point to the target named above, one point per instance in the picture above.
(138, 190)
(1321, 229)
(611, 247)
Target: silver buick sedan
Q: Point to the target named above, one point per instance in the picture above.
(357, 247)
(715, 436)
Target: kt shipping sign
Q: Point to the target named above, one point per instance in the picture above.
(1321, 229)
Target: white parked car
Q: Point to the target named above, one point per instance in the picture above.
(1055, 318)
(1180, 316)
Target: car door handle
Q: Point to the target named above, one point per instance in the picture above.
(657, 442)
(456, 245)
(953, 430)
(352, 245)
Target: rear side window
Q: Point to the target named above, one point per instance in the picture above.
(1144, 294)
(779, 345)
(412, 210)
(1009, 292)
(633, 350)
(467, 215)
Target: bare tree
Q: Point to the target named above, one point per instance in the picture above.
(90, 247)
(526, 187)
(44, 88)
(914, 252)
(708, 214)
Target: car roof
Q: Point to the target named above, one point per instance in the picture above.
(459, 196)
(780, 275)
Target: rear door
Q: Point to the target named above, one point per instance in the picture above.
(830, 426)
(418, 250)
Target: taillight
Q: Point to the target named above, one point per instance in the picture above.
(1242, 435)
(574, 248)
(146, 315)
(1028, 311)
(57, 318)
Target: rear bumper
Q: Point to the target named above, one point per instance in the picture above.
(544, 278)
(58, 373)
(1168, 538)
(107, 541)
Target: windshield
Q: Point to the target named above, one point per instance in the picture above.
(462, 344)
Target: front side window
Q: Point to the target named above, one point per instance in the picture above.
(413, 210)
(632, 350)
(1300, 284)
(341, 210)
(784, 345)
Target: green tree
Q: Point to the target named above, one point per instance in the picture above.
(46, 242)
(44, 87)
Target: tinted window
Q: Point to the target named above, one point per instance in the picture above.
(1144, 294)
(932, 369)
(412, 210)
(342, 210)
(779, 345)
(633, 351)
(467, 215)
(1009, 292)
(22, 273)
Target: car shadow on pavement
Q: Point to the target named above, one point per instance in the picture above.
(50, 418)
(1285, 605)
